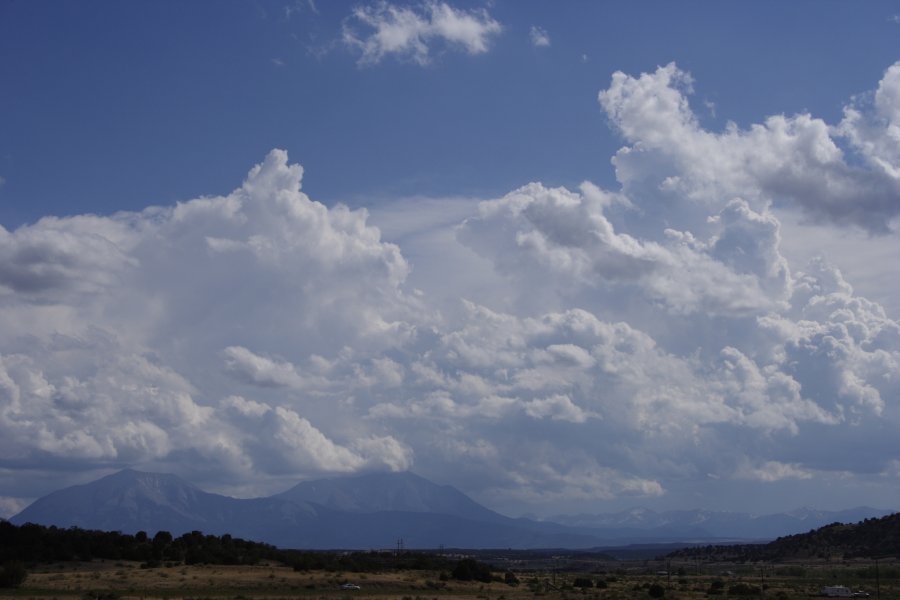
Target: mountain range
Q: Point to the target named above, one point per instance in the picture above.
(377, 510)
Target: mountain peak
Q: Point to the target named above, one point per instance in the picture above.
(128, 474)
(149, 501)
(402, 491)
(374, 509)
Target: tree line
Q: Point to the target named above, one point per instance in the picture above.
(31, 544)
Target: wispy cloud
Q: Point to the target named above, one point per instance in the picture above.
(773, 471)
(539, 37)
(300, 7)
(409, 33)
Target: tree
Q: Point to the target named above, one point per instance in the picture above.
(12, 574)
(161, 542)
(469, 569)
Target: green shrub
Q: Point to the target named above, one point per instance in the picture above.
(469, 569)
(12, 575)
(743, 589)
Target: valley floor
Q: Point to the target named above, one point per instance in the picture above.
(113, 580)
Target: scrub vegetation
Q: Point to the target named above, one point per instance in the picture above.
(48, 563)
(127, 580)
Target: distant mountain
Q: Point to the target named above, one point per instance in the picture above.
(395, 492)
(376, 510)
(371, 511)
(716, 524)
(130, 501)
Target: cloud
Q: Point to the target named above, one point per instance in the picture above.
(79, 417)
(569, 238)
(747, 342)
(794, 160)
(300, 7)
(260, 370)
(774, 471)
(539, 37)
(109, 321)
(410, 33)
(539, 479)
(873, 127)
(550, 347)
(11, 506)
(61, 257)
(559, 407)
(278, 440)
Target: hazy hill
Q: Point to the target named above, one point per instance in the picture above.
(869, 538)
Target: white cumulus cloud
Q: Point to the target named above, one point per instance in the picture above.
(787, 160)
(410, 32)
(567, 346)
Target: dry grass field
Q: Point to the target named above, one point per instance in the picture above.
(109, 580)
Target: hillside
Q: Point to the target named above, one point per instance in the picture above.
(871, 538)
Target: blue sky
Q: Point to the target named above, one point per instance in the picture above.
(138, 103)
(576, 256)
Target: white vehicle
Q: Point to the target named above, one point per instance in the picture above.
(836, 591)
(349, 586)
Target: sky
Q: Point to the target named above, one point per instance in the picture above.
(572, 257)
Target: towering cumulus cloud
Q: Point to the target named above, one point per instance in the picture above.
(123, 335)
(640, 342)
(794, 160)
(742, 356)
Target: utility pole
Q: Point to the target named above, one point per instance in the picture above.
(877, 582)
(668, 574)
